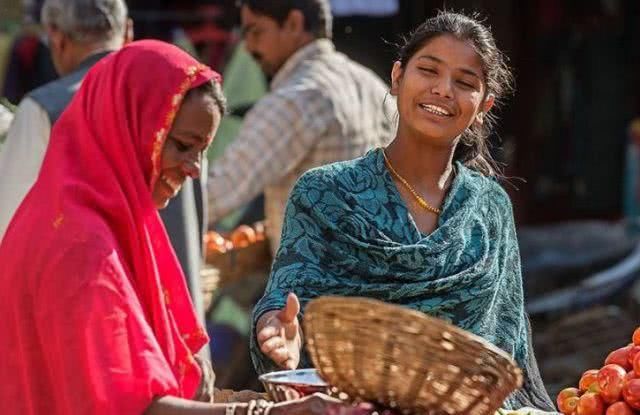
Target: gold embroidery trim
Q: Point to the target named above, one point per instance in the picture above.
(58, 221)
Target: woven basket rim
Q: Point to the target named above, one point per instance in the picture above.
(400, 357)
(329, 299)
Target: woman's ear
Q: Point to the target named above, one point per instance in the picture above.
(484, 109)
(396, 75)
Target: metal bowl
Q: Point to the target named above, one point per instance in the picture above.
(287, 385)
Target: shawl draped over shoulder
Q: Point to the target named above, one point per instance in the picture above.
(348, 232)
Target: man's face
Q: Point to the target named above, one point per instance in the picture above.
(269, 43)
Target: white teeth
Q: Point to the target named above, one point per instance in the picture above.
(434, 109)
(173, 184)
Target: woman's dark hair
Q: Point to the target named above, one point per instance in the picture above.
(317, 13)
(214, 90)
(473, 149)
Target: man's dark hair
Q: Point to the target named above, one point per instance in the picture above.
(317, 13)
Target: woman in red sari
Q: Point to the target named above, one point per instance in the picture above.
(96, 318)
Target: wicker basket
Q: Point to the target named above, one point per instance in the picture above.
(241, 262)
(404, 359)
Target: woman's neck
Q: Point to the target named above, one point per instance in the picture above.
(426, 167)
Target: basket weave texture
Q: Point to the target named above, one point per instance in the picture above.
(403, 359)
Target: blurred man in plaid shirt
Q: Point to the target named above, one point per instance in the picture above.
(322, 107)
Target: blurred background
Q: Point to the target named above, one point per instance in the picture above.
(569, 137)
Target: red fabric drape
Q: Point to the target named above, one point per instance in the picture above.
(95, 316)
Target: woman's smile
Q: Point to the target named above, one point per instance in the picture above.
(436, 110)
(173, 184)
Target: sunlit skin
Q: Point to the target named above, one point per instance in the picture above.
(272, 44)
(440, 93)
(194, 125)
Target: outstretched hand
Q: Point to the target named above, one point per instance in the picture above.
(278, 334)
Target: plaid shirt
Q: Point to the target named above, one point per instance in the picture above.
(322, 108)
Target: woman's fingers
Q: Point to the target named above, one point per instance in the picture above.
(271, 344)
(289, 363)
(276, 350)
(267, 332)
(280, 356)
(325, 397)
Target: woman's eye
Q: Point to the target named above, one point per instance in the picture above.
(181, 146)
(467, 85)
(429, 70)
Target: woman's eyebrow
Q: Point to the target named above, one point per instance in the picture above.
(465, 70)
(191, 136)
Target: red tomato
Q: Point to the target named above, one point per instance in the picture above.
(636, 337)
(629, 376)
(260, 231)
(590, 404)
(243, 236)
(587, 380)
(610, 381)
(619, 408)
(567, 400)
(620, 357)
(631, 393)
(636, 364)
(632, 354)
(214, 242)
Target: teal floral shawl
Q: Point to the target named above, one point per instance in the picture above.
(348, 232)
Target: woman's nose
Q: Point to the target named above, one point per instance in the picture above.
(191, 165)
(442, 87)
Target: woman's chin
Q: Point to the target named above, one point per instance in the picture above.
(161, 202)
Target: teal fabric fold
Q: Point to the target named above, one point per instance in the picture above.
(348, 232)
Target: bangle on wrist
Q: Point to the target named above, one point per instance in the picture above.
(251, 407)
(259, 407)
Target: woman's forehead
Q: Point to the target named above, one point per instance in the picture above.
(196, 117)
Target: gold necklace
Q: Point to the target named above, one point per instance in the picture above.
(423, 203)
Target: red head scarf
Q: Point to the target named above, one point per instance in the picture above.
(98, 315)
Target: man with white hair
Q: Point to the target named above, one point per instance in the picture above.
(80, 32)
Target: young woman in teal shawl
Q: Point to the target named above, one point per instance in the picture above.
(422, 223)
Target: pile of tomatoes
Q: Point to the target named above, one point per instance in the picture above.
(614, 389)
(240, 237)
